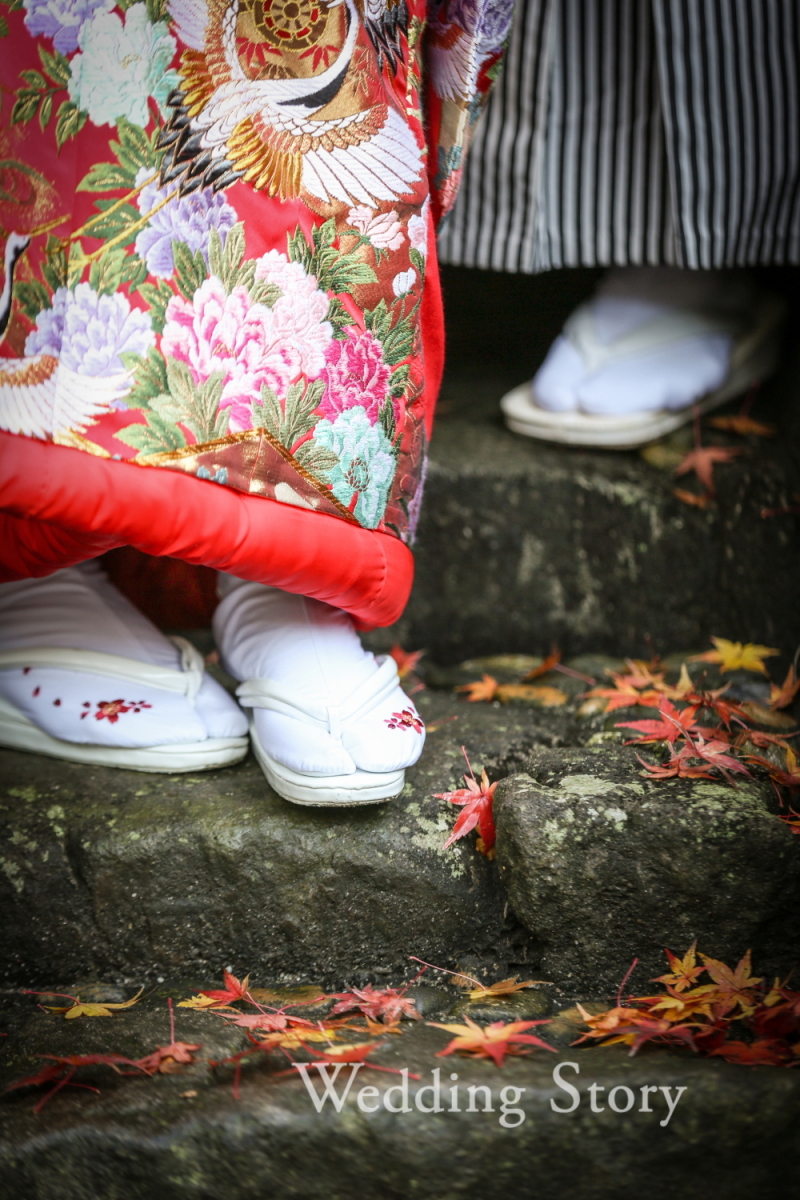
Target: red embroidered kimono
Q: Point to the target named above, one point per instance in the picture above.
(224, 339)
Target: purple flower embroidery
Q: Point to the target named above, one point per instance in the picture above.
(61, 20)
(354, 374)
(87, 331)
(188, 219)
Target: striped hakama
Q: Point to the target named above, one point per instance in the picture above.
(623, 132)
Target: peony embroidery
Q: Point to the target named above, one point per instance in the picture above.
(88, 332)
(122, 63)
(406, 719)
(61, 20)
(355, 374)
(383, 230)
(404, 281)
(188, 219)
(362, 477)
(250, 345)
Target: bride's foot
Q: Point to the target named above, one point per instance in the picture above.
(653, 343)
(331, 724)
(85, 676)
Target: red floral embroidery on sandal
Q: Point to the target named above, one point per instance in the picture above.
(405, 720)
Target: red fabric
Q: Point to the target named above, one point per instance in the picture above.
(62, 506)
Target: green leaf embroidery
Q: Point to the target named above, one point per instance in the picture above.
(386, 419)
(266, 412)
(54, 268)
(298, 409)
(150, 377)
(417, 260)
(398, 380)
(31, 297)
(105, 273)
(156, 437)
(70, 120)
(316, 459)
(338, 316)
(190, 269)
(25, 106)
(156, 297)
(198, 404)
(56, 67)
(124, 219)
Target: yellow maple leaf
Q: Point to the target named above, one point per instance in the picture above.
(505, 987)
(79, 1009)
(546, 697)
(737, 656)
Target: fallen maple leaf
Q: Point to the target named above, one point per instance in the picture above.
(674, 723)
(480, 689)
(701, 460)
(505, 987)
(61, 1072)
(735, 985)
(234, 989)
(167, 1060)
(695, 499)
(477, 802)
(406, 659)
(683, 971)
(356, 1054)
(736, 656)
(547, 665)
(80, 1009)
(493, 1041)
(547, 697)
(632, 1027)
(764, 1052)
(385, 1004)
(743, 425)
(782, 697)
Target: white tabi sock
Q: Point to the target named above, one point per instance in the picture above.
(313, 651)
(78, 608)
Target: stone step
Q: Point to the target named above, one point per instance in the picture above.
(521, 543)
(122, 875)
(733, 1130)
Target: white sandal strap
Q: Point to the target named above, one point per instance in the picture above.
(263, 693)
(659, 331)
(186, 681)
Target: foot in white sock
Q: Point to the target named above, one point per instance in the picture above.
(334, 711)
(125, 713)
(633, 361)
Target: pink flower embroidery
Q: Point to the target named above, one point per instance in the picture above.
(383, 229)
(354, 374)
(251, 344)
(407, 719)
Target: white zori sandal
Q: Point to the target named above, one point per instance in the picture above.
(652, 346)
(330, 724)
(60, 698)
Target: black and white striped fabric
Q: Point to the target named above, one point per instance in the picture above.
(637, 131)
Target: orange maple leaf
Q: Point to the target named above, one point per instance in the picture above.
(167, 1060)
(782, 697)
(764, 1052)
(493, 1041)
(547, 697)
(734, 985)
(552, 660)
(682, 971)
(743, 425)
(701, 460)
(695, 499)
(480, 689)
(505, 987)
(406, 659)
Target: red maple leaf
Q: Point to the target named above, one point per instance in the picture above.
(674, 723)
(476, 799)
(379, 1004)
(167, 1060)
(763, 1052)
(235, 989)
(63, 1068)
(702, 458)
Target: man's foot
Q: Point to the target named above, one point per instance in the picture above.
(653, 343)
(85, 676)
(331, 725)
